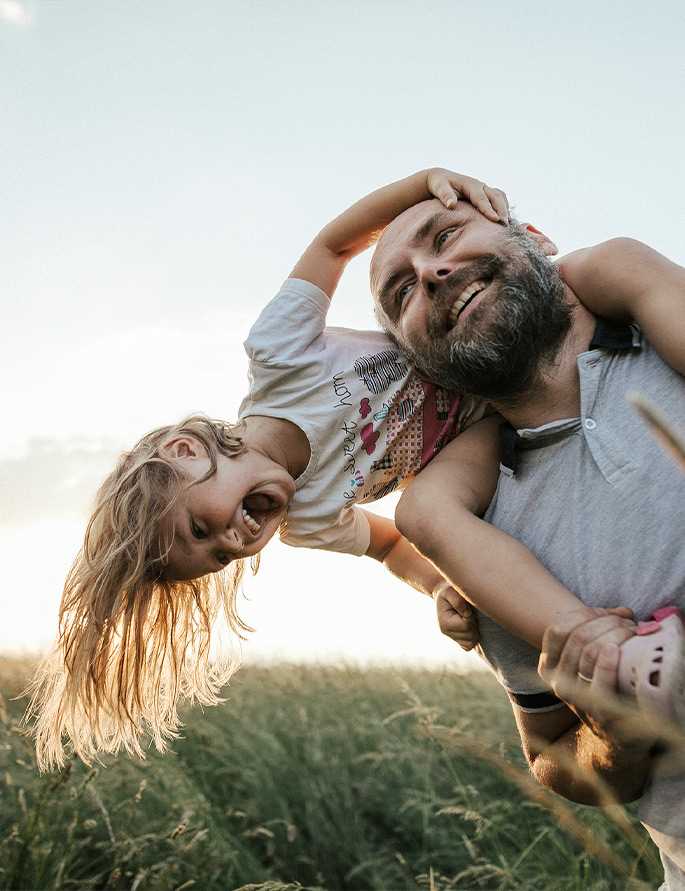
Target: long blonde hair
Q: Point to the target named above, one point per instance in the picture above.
(131, 643)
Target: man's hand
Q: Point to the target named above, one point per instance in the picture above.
(456, 616)
(579, 660)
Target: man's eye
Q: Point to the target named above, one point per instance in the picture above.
(403, 292)
(197, 531)
(443, 236)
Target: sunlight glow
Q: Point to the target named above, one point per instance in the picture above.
(15, 13)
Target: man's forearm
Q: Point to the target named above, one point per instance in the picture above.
(582, 767)
(502, 584)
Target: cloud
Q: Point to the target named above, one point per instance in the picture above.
(53, 479)
(15, 13)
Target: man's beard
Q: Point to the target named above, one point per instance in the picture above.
(500, 349)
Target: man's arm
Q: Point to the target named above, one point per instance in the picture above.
(439, 514)
(625, 279)
(359, 226)
(594, 744)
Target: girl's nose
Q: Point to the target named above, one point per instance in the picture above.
(231, 541)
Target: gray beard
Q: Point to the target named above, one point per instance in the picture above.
(499, 352)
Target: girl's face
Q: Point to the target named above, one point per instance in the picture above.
(232, 514)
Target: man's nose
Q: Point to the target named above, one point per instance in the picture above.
(432, 275)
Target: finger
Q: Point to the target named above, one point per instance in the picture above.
(587, 635)
(455, 624)
(467, 635)
(450, 620)
(500, 203)
(613, 636)
(555, 638)
(455, 600)
(605, 677)
(462, 606)
(601, 691)
(445, 192)
(624, 611)
(478, 196)
(459, 637)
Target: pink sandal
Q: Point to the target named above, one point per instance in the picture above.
(652, 665)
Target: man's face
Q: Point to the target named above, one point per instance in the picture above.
(475, 304)
(417, 255)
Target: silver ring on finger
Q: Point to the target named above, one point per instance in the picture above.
(582, 677)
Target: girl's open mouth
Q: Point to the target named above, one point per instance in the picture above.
(256, 509)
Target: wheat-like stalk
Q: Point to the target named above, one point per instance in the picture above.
(663, 430)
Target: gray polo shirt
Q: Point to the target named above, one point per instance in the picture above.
(601, 505)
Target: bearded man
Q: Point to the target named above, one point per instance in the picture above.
(479, 307)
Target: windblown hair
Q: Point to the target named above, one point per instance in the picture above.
(131, 643)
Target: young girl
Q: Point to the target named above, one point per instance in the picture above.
(173, 524)
(333, 419)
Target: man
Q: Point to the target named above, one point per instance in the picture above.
(478, 307)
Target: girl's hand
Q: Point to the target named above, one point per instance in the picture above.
(449, 187)
(456, 616)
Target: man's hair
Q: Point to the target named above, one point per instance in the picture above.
(131, 643)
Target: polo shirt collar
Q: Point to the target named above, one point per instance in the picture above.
(608, 335)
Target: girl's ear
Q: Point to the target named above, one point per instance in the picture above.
(547, 245)
(183, 447)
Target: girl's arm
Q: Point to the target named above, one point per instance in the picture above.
(393, 550)
(626, 279)
(360, 225)
(439, 513)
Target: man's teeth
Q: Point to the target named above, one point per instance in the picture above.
(461, 301)
(251, 523)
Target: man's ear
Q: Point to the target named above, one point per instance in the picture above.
(183, 447)
(547, 245)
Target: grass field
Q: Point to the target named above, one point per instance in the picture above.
(326, 778)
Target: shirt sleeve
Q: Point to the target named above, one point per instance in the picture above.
(291, 323)
(351, 534)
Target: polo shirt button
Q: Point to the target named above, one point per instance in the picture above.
(590, 423)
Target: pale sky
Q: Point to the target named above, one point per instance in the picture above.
(164, 164)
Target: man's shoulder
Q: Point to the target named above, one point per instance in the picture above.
(638, 369)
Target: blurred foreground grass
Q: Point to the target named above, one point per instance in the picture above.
(327, 778)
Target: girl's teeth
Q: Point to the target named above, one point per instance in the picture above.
(251, 523)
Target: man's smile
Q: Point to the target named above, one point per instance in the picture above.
(467, 297)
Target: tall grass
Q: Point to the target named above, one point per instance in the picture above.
(313, 778)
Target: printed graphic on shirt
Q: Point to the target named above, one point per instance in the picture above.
(401, 434)
(381, 370)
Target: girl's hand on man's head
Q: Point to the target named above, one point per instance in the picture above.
(448, 187)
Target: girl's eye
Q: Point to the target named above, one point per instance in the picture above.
(442, 237)
(197, 531)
